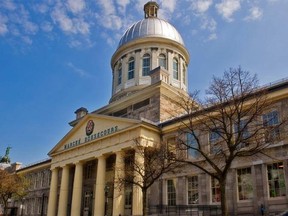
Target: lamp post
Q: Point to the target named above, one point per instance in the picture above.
(106, 189)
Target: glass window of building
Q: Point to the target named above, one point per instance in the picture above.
(146, 65)
(184, 74)
(171, 192)
(242, 133)
(162, 61)
(175, 69)
(193, 196)
(271, 120)
(215, 190)
(245, 186)
(119, 80)
(192, 146)
(131, 68)
(276, 180)
(214, 139)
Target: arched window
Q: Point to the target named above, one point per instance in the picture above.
(131, 68)
(175, 69)
(184, 74)
(146, 65)
(119, 80)
(162, 61)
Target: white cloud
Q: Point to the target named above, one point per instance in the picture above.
(168, 5)
(212, 36)
(108, 7)
(79, 71)
(76, 6)
(201, 6)
(47, 26)
(227, 8)
(122, 5)
(208, 24)
(3, 25)
(255, 14)
(9, 5)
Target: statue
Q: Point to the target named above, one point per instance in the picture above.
(6, 158)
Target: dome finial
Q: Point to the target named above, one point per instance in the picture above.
(151, 9)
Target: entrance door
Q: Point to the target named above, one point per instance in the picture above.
(88, 197)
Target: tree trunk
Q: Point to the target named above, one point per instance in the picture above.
(144, 200)
(223, 197)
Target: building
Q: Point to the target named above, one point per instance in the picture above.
(149, 73)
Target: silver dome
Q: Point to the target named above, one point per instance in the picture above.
(151, 27)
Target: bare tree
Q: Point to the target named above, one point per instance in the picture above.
(233, 117)
(144, 165)
(11, 186)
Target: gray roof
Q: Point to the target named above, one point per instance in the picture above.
(151, 27)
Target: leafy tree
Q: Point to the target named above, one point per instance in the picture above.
(11, 185)
(231, 116)
(144, 166)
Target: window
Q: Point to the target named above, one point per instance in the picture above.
(171, 193)
(146, 65)
(276, 180)
(128, 195)
(119, 80)
(184, 74)
(215, 187)
(162, 61)
(175, 69)
(214, 138)
(131, 68)
(245, 187)
(191, 145)
(171, 145)
(193, 196)
(242, 133)
(89, 168)
(271, 120)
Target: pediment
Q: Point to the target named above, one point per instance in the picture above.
(93, 127)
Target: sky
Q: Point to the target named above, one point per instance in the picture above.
(55, 56)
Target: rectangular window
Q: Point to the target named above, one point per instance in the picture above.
(171, 192)
(241, 133)
(175, 69)
(245, 186)
(214, 138)
(192, 145)
(119, 76)
(215, 190)
(128, 195)
(276, 179)
(270, 121)
(146, 66)
(193, 196)
(89, 171)
(131, 69)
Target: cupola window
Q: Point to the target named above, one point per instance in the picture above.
(175, 69)
(146, 65)
(119, 80)
(184, 74)
(162, 61)
(131, 68)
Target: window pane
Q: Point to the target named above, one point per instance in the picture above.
(245, 186)
(146, 65)
(193, 196)
(171, 192)
(175, 69)
(131, 67)
(215, 187)
(191, 145)
(271, 120)
(162, 60)
(119, 74)
(276, 179)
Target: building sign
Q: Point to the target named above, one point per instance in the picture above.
(91, 136)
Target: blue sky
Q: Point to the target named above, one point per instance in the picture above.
(55, 56)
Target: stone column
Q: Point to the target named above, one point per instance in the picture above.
(137, 204)
(119, 195)
(63, 198)
(99, 205)
(52, 203)
(77, 190)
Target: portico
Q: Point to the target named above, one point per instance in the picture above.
(83, 176)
